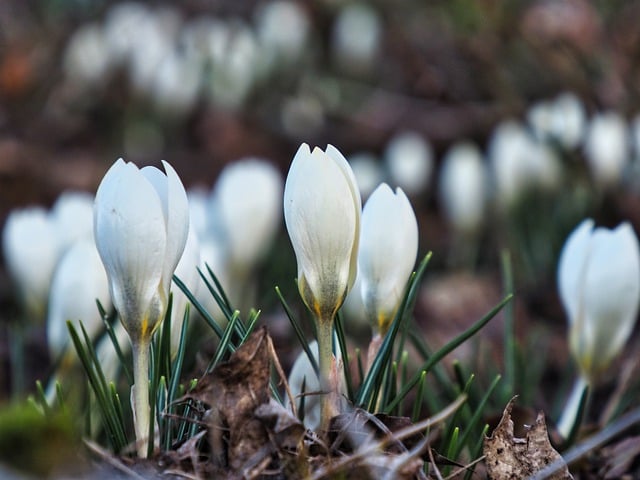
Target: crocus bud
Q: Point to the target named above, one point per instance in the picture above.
(79, 280)
(355, 39)
(141, 221)
(462, 187)
(73, 216)
(247, 198)
(30, 247)
(607, 148)
(599, 284)
(388, 251)
(368, 172)
(322, 214)
(409, 158)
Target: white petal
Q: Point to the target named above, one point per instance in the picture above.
(130, 234)
(572, 269)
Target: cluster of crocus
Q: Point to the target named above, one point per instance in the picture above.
(331, 237)
(599, 285)
(141, 223)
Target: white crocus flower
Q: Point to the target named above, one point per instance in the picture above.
(247, 197)
(387, 255)
(462, 187)
(409, 158)
(322, 214)
(599, 285)
(356, 36)
(569, 120)
(73, 216)
(141, 221)
(607, 148)
(368, 172)
(78, 281)
(30, 247)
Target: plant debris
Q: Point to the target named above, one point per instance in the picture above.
(509, 457)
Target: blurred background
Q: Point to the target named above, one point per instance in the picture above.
(506, 123)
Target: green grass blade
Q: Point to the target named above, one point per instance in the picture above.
(342, 344)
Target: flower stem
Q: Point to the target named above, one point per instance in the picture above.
(140, 351)
(570, 419)
(325, 362)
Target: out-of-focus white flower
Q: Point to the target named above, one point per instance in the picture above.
(355, 39)
(154, 37)
(87, 59)
(569, 120)
(282, 28)
(198, 210)
(234, 60)
(78, 281)
(409, 158)
(176, 87)
(141, 222)
(520, 163)
(72, 214)
(322, 214)
(121, 27)
(187, 272)
(30, 247)
(463, 187)
(302, 374)
(607, 148)
(248, 195)
(599, 285)
(387, 255)
(540, 118)
(368, 172)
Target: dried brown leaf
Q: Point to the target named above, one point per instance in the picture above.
(509, 457)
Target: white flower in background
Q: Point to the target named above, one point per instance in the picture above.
(198, 210)
(540, 118)
(607, 148)
(322, 213)
(409, 159)
(635, 137)
(387, 254)
(87, 59)
(599, 284)
(234, 59)
(368, 172)
(247, 196)
(187, 272)
(569, 120)
(141, 222)
(78, 281)
(519, 163)
(154, 37)
(302, 374)
(30, 247)
(121, 28)
(282, 28)
(176, 87)
(463, 187)
(356, 37)
(72, 214)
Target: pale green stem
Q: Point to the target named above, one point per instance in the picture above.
(570, 412)
(140, 351)
(325, 360)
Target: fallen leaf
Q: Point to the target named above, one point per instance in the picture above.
(509, 457)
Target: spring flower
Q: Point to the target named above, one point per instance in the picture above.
(607, 148)
(79, 279)
(599, 284)
(409, 158)
(368, 172)
(356, 37)
(73, 216)
(322, 214)
(463, 187)
(388, 251)
(247, 199)
(30, 247)
(141, 221)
